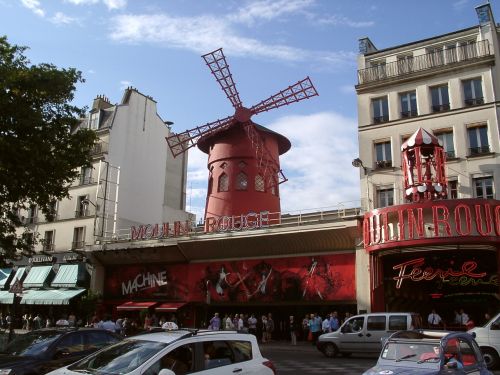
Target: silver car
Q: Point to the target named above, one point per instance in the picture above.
(177, 352)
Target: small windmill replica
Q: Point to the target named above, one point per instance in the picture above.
(243, 157)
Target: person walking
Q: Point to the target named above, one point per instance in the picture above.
(252, 325)
(334, 322)
(315, 327)
(292, 326)
(270, 327)
(264, 328)
(305, 327)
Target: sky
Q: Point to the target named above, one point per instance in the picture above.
(156, 47)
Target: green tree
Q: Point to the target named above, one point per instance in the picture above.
(41, 145)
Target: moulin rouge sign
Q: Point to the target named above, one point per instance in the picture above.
(437, 222)
(220, 224)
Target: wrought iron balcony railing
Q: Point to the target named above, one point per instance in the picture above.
(474, 101)
(383, 164)
(77, 245)
(412, 113)
(99, 148)
(441, 107)
(380, 119)
(48, 247)
(473, 151)
(450, 154)
(429, 61)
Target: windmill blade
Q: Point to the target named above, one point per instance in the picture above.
(267, 166)
(181, 142)
(301, 90)
(216, 61)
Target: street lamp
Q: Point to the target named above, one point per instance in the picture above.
(358, 163)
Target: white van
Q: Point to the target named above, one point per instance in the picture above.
(488, 338)
(363, 333)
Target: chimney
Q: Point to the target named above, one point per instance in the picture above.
(101, 102)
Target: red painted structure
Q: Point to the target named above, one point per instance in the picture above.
(243, 159)
(433, 251)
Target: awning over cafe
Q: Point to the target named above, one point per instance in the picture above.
(19, 275)
(173, 306)
(37, 277)
(6, 298)
(4, 276)
(50, 297)
(67, 276)
(135, 306)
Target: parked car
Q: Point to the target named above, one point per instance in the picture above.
(429, 353)
(181, 351)
(363, 333)
(43, 350)
(488, 339)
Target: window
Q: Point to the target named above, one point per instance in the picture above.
(241, 181)
(440, 98)
(353, 325)
(259, 183)
(383, 156)
(375, 323)
(223, 182)
(452, 189)
(385, 197)
(473, 91)
(467, 352)
(380, 110)
(29, 238)
(483, 187)
(408, 104)
(397, 323)
(48, 240)
(96, 340)
(32, 214)
(94, 121)
(86, 176)
(217, 354)
(446, 138)
(71, 343)
(210, 185)
(53, 211)
(478, 140)
(242, 350)
(82, 206)
(78, 238)
(180, 360)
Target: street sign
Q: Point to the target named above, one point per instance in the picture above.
(17, 287)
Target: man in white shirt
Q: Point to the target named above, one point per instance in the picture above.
(434, 319)
(240, 323)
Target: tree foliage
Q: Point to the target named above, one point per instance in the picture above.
(40, 148)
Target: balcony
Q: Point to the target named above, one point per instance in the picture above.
(75, 245)
(475, 151)
(428, 62)
(99, 148)
(407, 114)
(382, 164)
(441, 107)
(49, 247)
(450, 154)
(82, 213)
(380, 119)
(473, 102)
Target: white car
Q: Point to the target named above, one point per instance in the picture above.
(488, 338)
(177, 352)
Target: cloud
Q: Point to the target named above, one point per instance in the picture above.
(318, 166)
(206, 33)
(460, 4)
(62, 19)
(124, 84)
(110, 4)
(338, 20)
(34, 6)
(268, 10)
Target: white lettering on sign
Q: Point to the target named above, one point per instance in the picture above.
(144, 281)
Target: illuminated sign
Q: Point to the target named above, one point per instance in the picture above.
(220, 224)
(414, 270)
(143, 281)
(447, 221)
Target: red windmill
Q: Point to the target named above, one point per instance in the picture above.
(243, 157)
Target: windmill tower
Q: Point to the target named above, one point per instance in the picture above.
(243, 157)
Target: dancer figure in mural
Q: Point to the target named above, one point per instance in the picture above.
(221, 282)
(311, 280)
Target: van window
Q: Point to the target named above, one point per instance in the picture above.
(353, 325)
(416, 321)
(375, 323)
(397, 322)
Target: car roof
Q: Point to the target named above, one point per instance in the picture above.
(427, 335)
(168, 336)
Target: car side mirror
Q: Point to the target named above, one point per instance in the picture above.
(166, 371)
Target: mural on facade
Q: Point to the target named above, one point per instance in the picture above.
(315, 278)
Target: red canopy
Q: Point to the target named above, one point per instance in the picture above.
(135, 306)
(170, 306)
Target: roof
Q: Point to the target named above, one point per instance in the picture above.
(419, 138)
(170, 336)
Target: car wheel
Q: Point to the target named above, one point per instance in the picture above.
(346, 354)
(490, 358)
(330, 350)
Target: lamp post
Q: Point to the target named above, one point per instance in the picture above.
(358, 163)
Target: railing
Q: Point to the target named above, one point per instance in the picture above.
(77, 245)
(380, 119)
(473, 151)
(99, 148)
(441, 107)
(86, 180)
(82, 213)
(450, 154)
(383, 164)
(412, 113)
(428, 61)
(48, 247)
(474, 101)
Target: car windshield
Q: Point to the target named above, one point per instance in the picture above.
(32, 343)
(413, 352)
(120, 358)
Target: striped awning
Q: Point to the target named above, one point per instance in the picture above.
(50, 297)
(66, 277)
(37, 277)
(4, 276)
(6, 298)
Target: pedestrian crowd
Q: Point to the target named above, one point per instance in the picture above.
(460, 320)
